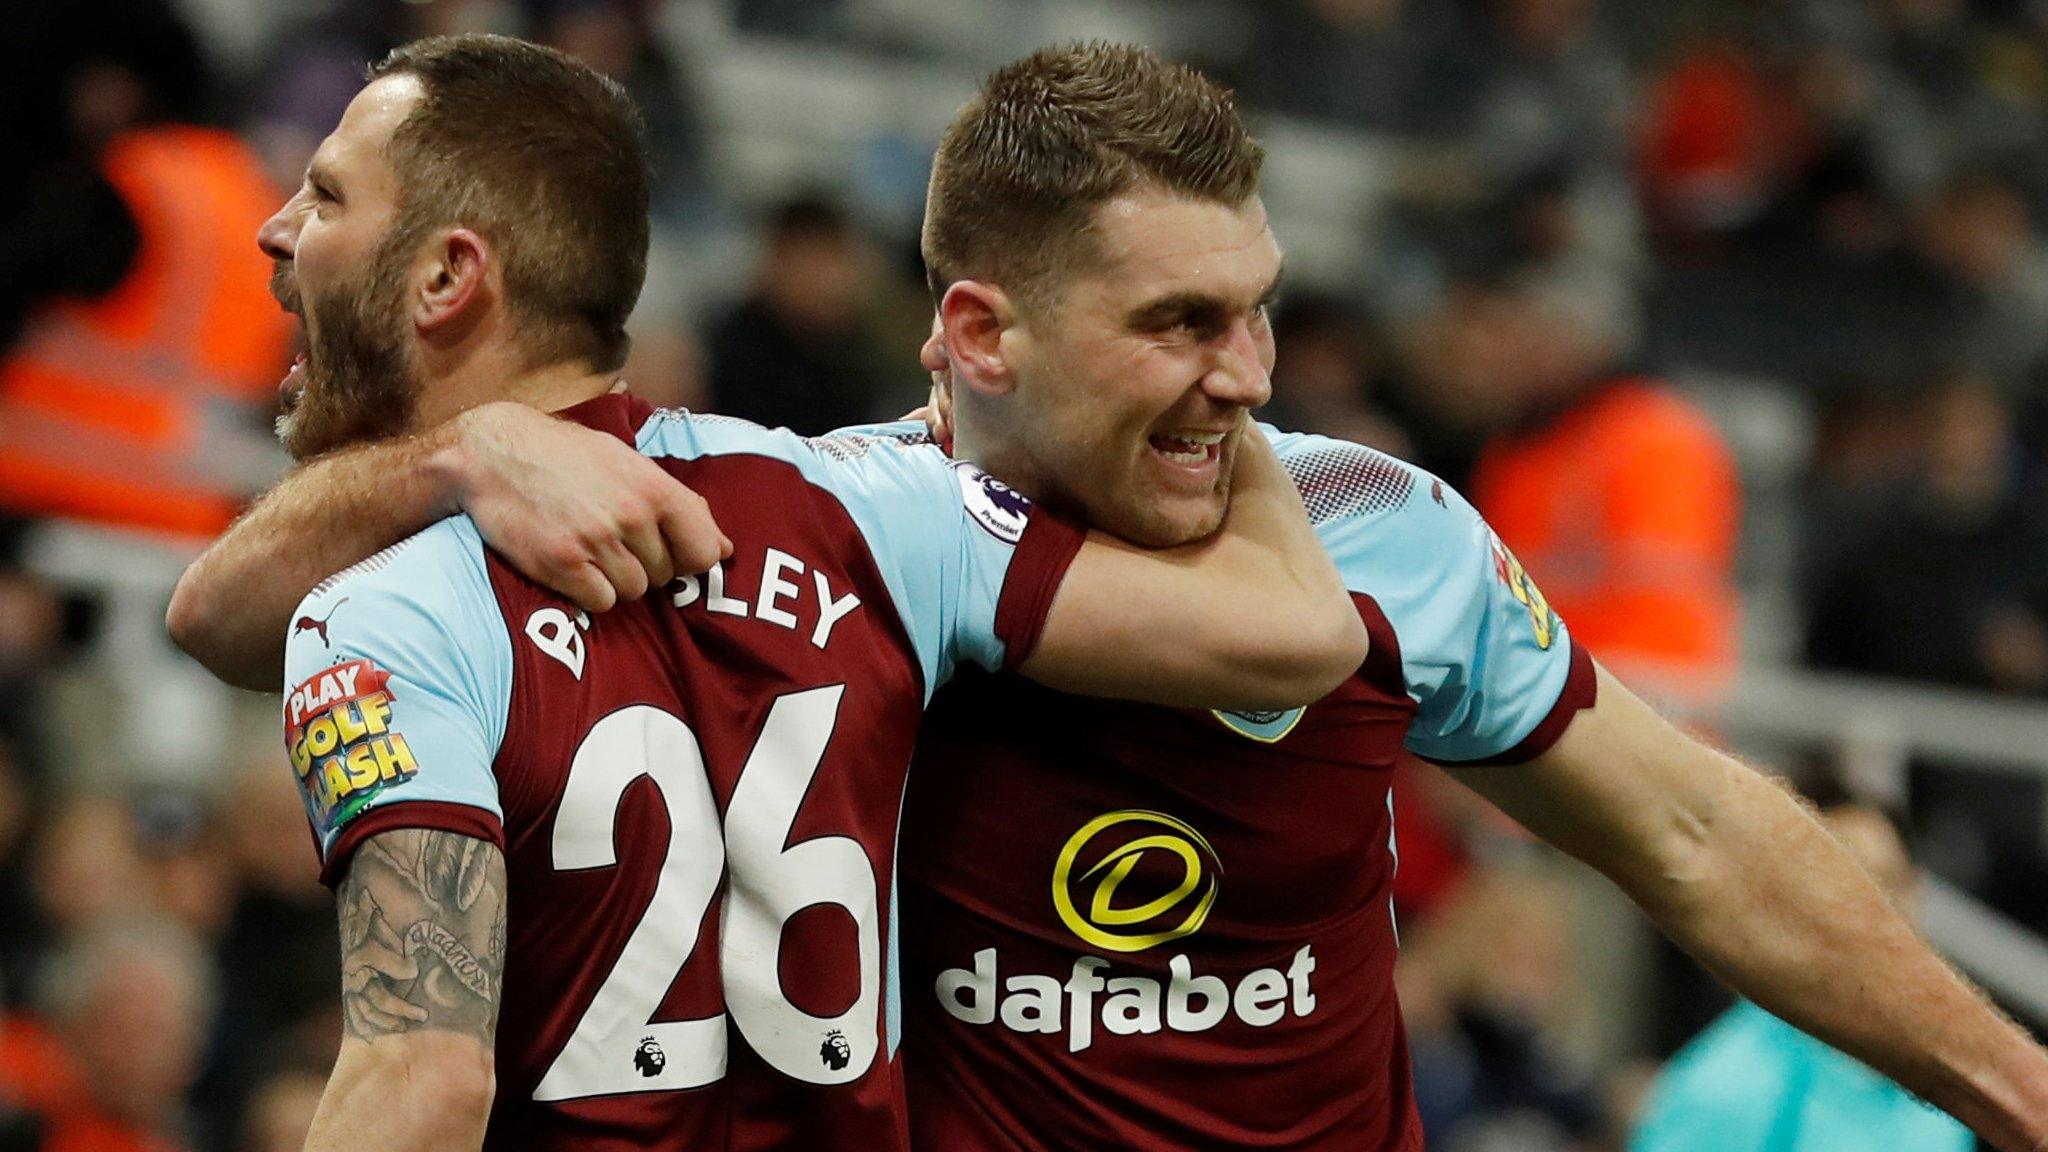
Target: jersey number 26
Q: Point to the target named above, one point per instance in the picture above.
(769, 883)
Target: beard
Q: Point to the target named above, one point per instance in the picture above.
(1149, 525)
(360, 381)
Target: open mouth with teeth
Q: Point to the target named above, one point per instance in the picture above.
(289, 388)
(1190, 449)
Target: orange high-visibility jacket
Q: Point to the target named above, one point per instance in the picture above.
(1625, 510)
(106, 404)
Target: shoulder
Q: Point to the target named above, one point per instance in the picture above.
(1386, 522)
(681, 433)
(850, 461)
(439, 566)
(417, 602)
(1341, 480)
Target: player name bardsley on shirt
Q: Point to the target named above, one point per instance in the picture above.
(680, 786)
(819, 604)
(780, 587)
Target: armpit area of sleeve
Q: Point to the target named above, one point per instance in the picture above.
(1043, 555)
(1581, 690)
(438, 815)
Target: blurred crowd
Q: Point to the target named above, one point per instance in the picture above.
(1597, 222)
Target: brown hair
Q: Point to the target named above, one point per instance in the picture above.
(1051, 137)
(542, 157)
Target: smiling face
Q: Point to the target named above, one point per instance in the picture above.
(1131, 385)
(343, 268)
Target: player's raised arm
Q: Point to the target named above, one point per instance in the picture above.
(422, 958)
(1734, 870)
(573, 508)
(1255, 616)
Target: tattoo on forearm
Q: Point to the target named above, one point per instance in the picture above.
(422, 934)
(428, 937)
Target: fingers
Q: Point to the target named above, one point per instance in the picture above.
(586, 585)
(643, 538)
(591, 519)
(622, 570)
(693, 539)
(377, 1008)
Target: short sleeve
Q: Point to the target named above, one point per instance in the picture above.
(398, 679)
(1491, 667)
(973, 563)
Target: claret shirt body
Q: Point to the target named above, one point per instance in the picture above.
(1134, 927)
(696, 793)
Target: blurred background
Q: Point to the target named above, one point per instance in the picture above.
(1732, 315)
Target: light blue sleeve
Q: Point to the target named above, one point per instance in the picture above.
(941, 532)
(1482, 654)
(398, 678)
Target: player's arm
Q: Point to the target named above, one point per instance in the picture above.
(422, 959)
(1255, 616)
(575, 509)
(1738, 873)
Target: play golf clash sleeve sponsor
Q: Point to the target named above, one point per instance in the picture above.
(338, 729)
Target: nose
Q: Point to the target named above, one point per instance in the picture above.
(279, 235)
(1240, 374)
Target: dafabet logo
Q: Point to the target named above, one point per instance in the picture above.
(1127, 882)
(1182, 875)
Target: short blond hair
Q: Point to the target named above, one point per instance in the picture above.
(1050, 138)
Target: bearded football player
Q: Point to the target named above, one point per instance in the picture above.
(624, 882)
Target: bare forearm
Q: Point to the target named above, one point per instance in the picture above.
(233, 606)
(1776, 908)
(422, 960)
(1253, 617)
(433, 1097)
(1742, 876)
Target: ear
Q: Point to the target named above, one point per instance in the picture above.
(973, 319)
(454, 281)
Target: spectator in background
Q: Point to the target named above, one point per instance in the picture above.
(142, 407)
(1356, 62)
(1326, 373)
(317, 68)
(277, 953)
(1620, 496)
(1752, 1081)
(1946, 579)
(66, 71)
(1539, 85)
(104, 1064)
(18, 920)
(617, 37)
(1978, 237)
(1488, 989)
(1719, 140)
(793, 353)
(87, 864)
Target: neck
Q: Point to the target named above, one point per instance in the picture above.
(457, 384)
(1000, 457)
